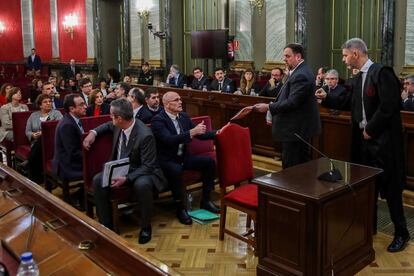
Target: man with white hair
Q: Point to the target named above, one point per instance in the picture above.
(374, 101)
(408, 93)
(332, 87)
(175, 78)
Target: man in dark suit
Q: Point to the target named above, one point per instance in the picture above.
(274, 84)
(222, 83)
(133, 140)
(407, 96)
(71, 70)
(173, 130)
(152, 99)
(34, 64)
(374, 101)
(67, 159)
(137, 99)
(175, 78)
(295, 110)
(86, 89)
(48, 89)
(332, 87)
(200, 82)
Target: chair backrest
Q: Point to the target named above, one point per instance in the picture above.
(89, 123)
(96, 157)
(234, 155)
(19, 120)
(48, 141)
(199, 146)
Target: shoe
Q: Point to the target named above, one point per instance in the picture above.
(398, 243)
(183, 217)
(210, 206)
(145, 235)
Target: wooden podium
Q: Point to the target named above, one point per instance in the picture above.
(311, 227)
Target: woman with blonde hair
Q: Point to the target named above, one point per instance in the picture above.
(13, 105)
(248, 82)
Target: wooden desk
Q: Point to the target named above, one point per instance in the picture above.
(56, 250)
(304, 222)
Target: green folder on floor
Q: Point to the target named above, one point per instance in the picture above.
(203, 216)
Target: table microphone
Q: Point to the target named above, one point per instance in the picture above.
(333, 175)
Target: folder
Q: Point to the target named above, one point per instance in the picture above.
(114, 169)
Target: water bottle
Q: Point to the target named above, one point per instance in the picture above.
(228, 88)
(189, 202)
(28, 266)
(204, 87)
(252, 93)
(185, 86)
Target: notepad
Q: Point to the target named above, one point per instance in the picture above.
(203, 216)
(114, 169)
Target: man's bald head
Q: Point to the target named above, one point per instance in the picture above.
(170, 95)
(172, 102)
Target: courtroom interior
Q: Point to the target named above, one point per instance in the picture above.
(207, 137)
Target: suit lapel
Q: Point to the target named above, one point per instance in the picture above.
(117, 133)
(132, 137)
(170, 123)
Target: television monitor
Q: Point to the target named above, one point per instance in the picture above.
(209, 44)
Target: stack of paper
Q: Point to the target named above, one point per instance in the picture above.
(202, 216)
(113, 169)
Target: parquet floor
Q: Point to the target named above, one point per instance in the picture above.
(196, 250)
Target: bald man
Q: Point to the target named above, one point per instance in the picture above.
(173, 131)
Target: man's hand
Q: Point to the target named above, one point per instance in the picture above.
(320, 94)
(88, 141)
(36, 134)
(404, 95)
(198, 129)
(118, 181)
(366, 135)
(111, 95)
(261, 107)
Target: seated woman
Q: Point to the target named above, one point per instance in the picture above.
(62, 86)
(13, 105)
(98, 107)
(36, 90)
(4, 90)
(248, 82)
(34, 133)
(72, 85)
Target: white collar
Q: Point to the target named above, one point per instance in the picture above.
(366, 66)
(291, 71)
(172, 116)
(128, 130)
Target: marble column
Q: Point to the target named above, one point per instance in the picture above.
(54, 30)
(409, 34)
(300, 22)
(27, 26)
(275, 32)
(90, 32)
(243, 28)
(135, 35)
(155, 58)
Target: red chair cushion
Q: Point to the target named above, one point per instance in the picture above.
(245, 195)
(23, 151)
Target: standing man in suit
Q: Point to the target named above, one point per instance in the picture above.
(137, 99)
(86, 89)
(67, 159)
(71, 70)
(175, 78)
(133, 140)
(152, 98)
(222, 83)
(374, 101)
(173, 130)
(295, 109)
(34, 64)
(200, 81)
(407, 96)
(273, 86)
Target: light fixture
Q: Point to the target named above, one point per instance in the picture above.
(69, 24)
(143, 7)
(2, 27)
(159, 34)
(259, 4)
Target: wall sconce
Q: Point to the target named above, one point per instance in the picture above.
(159, 34)
(2, 27)
(143, 7)
(69, 24)
(259, 4)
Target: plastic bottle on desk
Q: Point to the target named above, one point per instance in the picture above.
(204, 87)
(28, 266)
(252, 93)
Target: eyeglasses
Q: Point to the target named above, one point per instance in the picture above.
(87, 85)
(407, 83)
(331, 78)
(176, 100)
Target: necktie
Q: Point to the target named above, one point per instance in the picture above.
(219, 87)
(123, 146)
(80, 126)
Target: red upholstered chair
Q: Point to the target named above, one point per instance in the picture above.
(21, 143)
(89, 123)
(235, 165)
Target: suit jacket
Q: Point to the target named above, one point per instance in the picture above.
(58, 103)
(144, 115)
(36, 64)
(34, 124)
(198, 84)
(295, 109)
(408, 104)
(381, 94)
(215, 85)
(338, 91)
(141, 151)
(104, 109)
(67, 160)
(6, 119)
(68, 73)
(86, 99)
(168, 140)
(153, 113)
(268, 91)
(182, 79)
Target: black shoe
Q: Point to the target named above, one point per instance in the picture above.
(210, 206)
(145, 235)
(398, 243)
(183, 217)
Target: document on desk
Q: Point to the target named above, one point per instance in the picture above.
(113, 169)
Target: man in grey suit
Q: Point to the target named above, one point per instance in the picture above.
(134, 140)
(295, 110)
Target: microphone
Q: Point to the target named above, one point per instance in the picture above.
(333, 175)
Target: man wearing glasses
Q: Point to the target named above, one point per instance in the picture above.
(407, 94)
